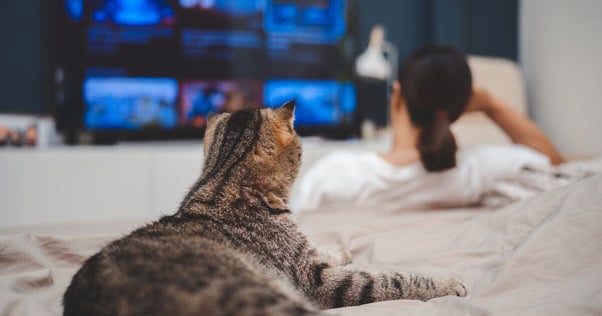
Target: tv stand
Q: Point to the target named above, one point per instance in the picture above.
(128, 181)
(71, 138)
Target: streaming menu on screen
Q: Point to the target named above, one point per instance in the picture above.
(169, 63)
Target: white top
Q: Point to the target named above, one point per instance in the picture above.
(352, 178)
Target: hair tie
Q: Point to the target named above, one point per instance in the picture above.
(440, 115)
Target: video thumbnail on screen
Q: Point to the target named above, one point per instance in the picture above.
(131, 103)
(319, 102)
(306, 21)
(199, 98)
(133, 12)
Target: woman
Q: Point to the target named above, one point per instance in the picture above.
(421, 170)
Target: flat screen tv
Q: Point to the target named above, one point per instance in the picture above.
(149, 69)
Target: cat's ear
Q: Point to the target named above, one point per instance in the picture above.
(211, 118)
(287, 111)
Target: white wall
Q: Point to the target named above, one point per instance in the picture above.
(560, 49)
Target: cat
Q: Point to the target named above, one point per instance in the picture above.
(233, 248)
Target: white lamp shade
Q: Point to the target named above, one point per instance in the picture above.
(373, 64)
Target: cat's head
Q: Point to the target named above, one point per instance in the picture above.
(254, 145)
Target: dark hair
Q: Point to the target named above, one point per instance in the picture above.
(437, 84)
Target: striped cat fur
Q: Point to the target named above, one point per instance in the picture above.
(233, 248)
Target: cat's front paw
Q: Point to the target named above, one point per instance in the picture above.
(450, 286)
(337, 257)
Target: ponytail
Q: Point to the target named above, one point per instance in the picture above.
(437, 146)
(436, 84)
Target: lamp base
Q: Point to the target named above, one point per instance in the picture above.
(372, 101)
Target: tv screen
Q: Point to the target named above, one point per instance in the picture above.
(158, 68)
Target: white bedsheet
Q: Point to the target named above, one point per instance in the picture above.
(540, 256)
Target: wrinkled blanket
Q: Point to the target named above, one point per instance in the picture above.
(532, 180)
(539, 256)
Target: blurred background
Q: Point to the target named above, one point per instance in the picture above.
(119, 71)
(61, 55)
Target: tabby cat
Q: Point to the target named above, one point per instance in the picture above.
(233, 248)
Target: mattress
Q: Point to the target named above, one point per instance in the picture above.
(538, 256)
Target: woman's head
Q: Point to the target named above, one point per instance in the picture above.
(436, 84)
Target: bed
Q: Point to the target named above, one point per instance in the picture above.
(538, 256)
(541, 255)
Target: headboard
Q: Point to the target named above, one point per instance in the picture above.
(503, 78)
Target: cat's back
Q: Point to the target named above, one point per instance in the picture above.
(159, 270)
(226, 251)
(145, 266)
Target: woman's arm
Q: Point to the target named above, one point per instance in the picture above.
(517, 126)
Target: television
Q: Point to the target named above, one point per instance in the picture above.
(155, 69)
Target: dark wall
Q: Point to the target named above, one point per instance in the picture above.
(480, 27)
(406, 22)
(484, 27)
(24, 56)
